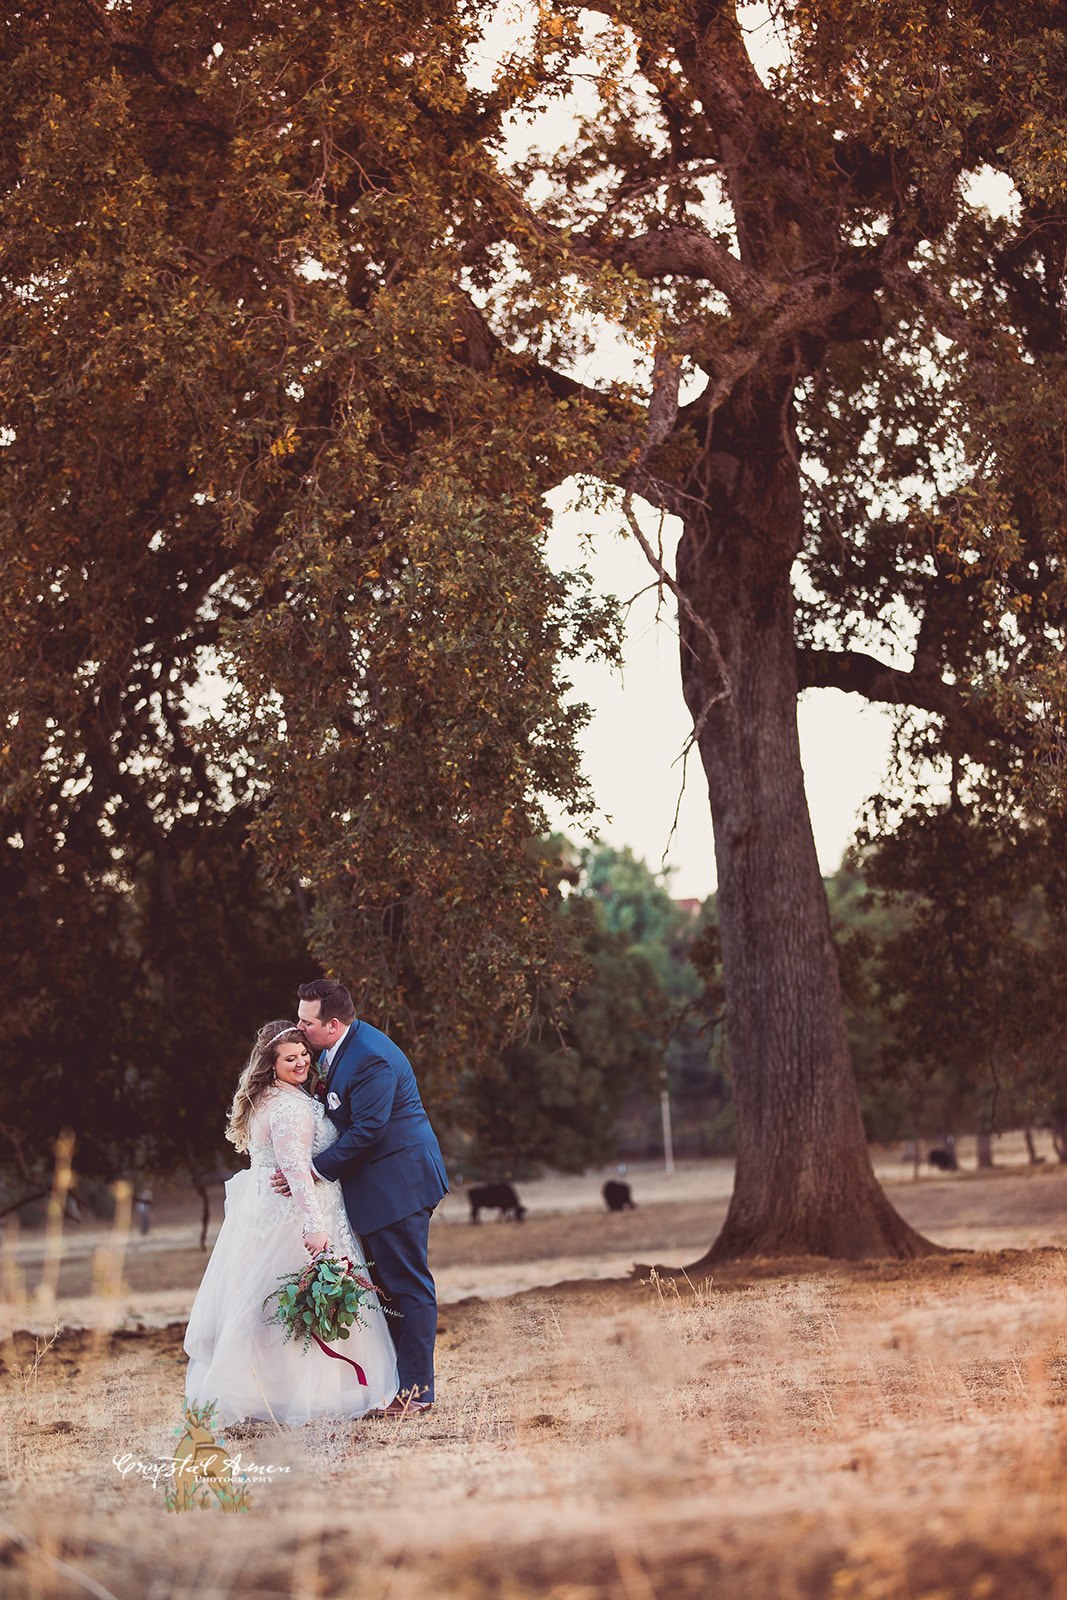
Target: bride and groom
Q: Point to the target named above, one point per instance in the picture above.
(354, 1168)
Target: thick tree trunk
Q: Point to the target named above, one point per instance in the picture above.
(804, 1183)
(1058, 1126)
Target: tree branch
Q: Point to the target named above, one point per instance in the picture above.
(946, 315)
(672, 176)
(856, 672)
(680, 252)
(685, 605)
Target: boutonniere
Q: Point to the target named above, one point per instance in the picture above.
(332, 1102)
(318, 1086)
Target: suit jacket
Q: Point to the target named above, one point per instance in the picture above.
(386, 1155)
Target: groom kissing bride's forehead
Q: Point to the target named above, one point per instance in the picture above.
(389, 1164)
(324, 1013)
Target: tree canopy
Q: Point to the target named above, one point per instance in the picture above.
(243, 456)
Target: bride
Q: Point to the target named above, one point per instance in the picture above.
(236, 1357)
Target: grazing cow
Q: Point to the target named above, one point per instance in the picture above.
(943, 1160)
(617, 1196)
(484, 1196)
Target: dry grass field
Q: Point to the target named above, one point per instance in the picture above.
(792, 1429)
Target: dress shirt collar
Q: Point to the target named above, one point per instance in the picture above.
(331, 1053)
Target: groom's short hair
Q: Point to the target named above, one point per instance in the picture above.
(334, 999)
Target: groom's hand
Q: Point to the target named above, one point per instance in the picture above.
(279, 1183)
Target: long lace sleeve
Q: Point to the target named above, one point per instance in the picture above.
(292, 1130)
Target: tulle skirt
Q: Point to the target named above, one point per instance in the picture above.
(241, 1361)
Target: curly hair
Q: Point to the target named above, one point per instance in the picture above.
(257, 1076)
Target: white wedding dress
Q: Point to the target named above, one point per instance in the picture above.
(236, 1357)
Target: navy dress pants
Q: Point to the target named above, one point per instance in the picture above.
(398, 1257)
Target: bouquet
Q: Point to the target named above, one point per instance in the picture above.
(321, 1302)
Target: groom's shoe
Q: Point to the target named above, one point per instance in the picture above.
(402, 1407)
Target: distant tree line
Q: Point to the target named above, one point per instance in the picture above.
(952, 943)
(951, 946)
(140, 998)
(640, 1017)
(136, 998)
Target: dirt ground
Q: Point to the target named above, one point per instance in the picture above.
(799, 1429)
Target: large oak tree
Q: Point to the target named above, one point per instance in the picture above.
(293, 344)
(866, 461)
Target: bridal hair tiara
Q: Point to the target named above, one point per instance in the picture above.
(267, 1043)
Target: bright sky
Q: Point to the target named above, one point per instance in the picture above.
(640, 724)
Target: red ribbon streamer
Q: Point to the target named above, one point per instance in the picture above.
(337, 1356)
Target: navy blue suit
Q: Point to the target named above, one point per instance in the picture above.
(392, 1175)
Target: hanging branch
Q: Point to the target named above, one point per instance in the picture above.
(685, 605)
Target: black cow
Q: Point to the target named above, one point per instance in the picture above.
(484, 1196)
(943, 1160)
(617, 1196)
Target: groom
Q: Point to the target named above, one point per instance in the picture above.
(388, 1162)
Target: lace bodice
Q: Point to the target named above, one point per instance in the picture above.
(288, 1128)
(241, 1364)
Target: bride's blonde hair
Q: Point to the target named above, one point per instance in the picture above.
(258, 1076)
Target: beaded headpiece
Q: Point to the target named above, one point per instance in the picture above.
(277, 1036)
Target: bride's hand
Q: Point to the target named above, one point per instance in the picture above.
(316, 1243)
